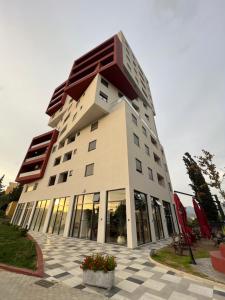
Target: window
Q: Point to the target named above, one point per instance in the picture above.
(129, 67)
(31, 187)
(66, 118)
(136, 140)
(138, 165)
(170, 187)
(103, 96)
(61, 144)
(71, 138)
(150, 174)
(128, 58)
(70, 172)
(54, 148)
(165, 166)
(134, 119)
(94, 126)
(157, 159)
(145, 105)
(144, 130)
(135, 107)
(104, 82)
(161, 180)
(92, 145)
(147, 150)
(52, 180)
(89, 170)
(78, 133)
(67, 156)
(63, 130)
(147, 117)
(63, 177)
(74, 151)
(153, 141)
(74, 117)
(57, 161)
(120, 95)
(71, 100)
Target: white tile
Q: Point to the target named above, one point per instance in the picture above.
(128, 286)
(144, 274)
(118, 297)
(171, 278)
(73, 281)
(180, 296)
(154, 285)
(121, 267)
(54, 272)
(137, 266)
(148, 296)
(122, 274)
(159, 269)
(200, 290)
(124, 261)
(140, 260)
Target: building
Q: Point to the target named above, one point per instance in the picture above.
(101, 172)
(11, 187)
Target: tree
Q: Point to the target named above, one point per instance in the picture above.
(209, 169)
(200, 188)
(1, 185)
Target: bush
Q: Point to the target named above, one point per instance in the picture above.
(99, 262)
(23, 231)
(2, 213)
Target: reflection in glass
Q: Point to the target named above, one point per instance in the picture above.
(26, 215)
(142, 218)
(169, 218)
(58, 216)
(85, 216)
(157, 219)
(39, 215)
(17, 215)
(116, 225)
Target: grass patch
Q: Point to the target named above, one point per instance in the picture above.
(168, 257)
(15, 249)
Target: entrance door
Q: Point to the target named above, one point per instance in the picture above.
(157, 219)
(84, 223)
(169, 218)
(142, 218)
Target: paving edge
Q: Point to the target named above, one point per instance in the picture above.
(187, 275)
(39, 272)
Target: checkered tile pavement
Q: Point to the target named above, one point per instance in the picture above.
(136, 277)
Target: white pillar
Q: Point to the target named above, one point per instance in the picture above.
(68, 217)
(131, 219)
(151, 221)
(48, 215)
(31, 215)
(165, 229)
(102, 218)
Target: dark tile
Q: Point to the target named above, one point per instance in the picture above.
(80, 286)
(48, 259)
(171, 272)
(114, 290)
(135, 280)
(132, 269)
(132, 258)
(148, 264)
(46, 275)
(62, 275)
(54, 266)
(216, 292)
(44, 283)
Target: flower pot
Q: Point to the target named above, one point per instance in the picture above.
(99, 278)
(121, 240)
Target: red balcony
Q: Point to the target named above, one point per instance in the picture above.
(36, 159)
(57, 100)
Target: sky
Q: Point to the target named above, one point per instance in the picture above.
(180, 45)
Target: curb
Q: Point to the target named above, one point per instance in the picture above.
(39, 272)
(187, 275)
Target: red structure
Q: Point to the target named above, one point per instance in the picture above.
(106, 59)
(218, 259)
(202, 220)
(36, 159)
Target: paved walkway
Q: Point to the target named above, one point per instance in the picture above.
(136, 277)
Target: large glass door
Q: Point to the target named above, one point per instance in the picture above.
(26, 215)
(116, 224)
(157, 219)
(19, 210)
(169, 218)
(39, 216)
(142, 218)
(84, 222)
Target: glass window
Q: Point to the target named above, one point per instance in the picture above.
(26, 215)
(57, 161)
(67, 156)
(150, 174)
(138, 165)
(156, 213)
(52, 180)
(94, 126)
(116, 224)
(39, 215)
(147, 117)
(104, 82)
(169, 218)
(103, 96)
(92, 145)
(89, 170)
(63, 177)
(157, 159)
(144, 130)
(85, 216)
(18, 213)
(120, 95)
(136, 139)
(161, 180)
(134, 119)
(147, 151)
(58, 216)
(142, 218)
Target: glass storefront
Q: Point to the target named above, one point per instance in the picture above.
(39, 216)
(169, 218)
(58, 216)
(142, 218)
(84, 224)
(116, 221)
(19, 210)
(26, 215)
(157, 219)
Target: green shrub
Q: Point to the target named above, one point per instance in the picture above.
(99, 262)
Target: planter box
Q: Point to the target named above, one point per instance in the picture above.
(99, 278)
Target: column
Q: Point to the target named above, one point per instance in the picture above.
(131, 219)
(102, 218)
(166, 235)
(151, 221)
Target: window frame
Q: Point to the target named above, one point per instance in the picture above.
(86, 174)
(94, 142)
(137, 161)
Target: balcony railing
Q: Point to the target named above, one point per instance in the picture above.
(30, 173)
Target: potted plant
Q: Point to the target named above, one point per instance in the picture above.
(120, 216)
(99, 270)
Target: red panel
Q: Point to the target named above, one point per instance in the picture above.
(29, 166)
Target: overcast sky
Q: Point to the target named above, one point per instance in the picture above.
(180, 45)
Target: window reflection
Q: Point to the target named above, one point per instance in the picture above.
(39, 215)
(169, 218)
(19, 210)
(157, 218)
(27, 214)
(116, 225)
